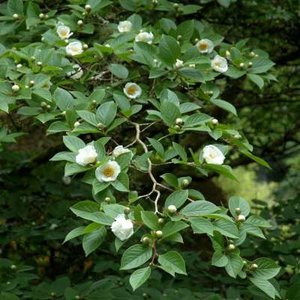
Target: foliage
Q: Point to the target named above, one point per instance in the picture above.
(127, 110)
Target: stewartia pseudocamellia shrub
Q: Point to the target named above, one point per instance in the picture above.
(132, 86)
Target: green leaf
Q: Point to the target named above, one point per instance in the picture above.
(74, 233)
(199, 208)
(256, 158)
(201, 225)
(157, 146)
(67, 156)
(224, 105)
(122, 183)
(93, 240)
(139, 277)
(267, 268)
(73, 143)
(239, 202)
(150, 219)
(256, 79)
(88, 117)
(118, 70)
(135, 256)
(172, 262)
(177, 198)
(235, 265)
(173, 227)
(63, 99)
(226, 228)
(219, 259)
(169, 112)
(169, 50)
(265, 286)
(15, 7)
(107, 112)
(180, 151)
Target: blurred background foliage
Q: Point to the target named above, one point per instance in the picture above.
(34, 214)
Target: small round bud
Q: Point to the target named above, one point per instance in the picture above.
(161, 220)
(196, 40)
(48, 106)
(52, 294)
(107, 199)
(215, 121)
(67, 180)
(158, 233)
(175, 5)
(64, 113)
(76, 124)
(242, 65)
(177, 127)
(241, 218)
(85, 46)
(172, 209)
(39, 63)
(237, 136)
(88, 7)
(31, 82)
(126, 210)
(145, 295)
(178, 121)
(94, 101)
(79, 22)
(155, 60)
(77, 297)
(43, 104)
(244, 262)
(100, 126)
(15, 88)
(252, 53)
(253, 267)
(185, 182)
(32, 57)
(13, 267)
(238, 211)
(250, 64)
(15, 16)
(145, 240)
(231, 247)
(179, 37)
(26, 86)
(66, 41)
(192, 65)
(256, 55)
(107, 45)
(46, 16)
(19, 66)
(8, 282)
(227, 53)
(41, 16)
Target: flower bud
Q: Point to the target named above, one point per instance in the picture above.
(52, 294)
(241, 218)
(252, 53)
(242, 65)
(172, 209)
(250, 64)
(19, 66)
(39, 63)
(161, 220)
(77, 297)
(179, 37)
(15, 16)
(227, 53)
(43, 104)
(76, 124)
(192, 65)
(231, 247)
(48, 106)
(100, 126)
(238, 211)
(185, 182)
(175, 5)
(145, 240)
(214, 121)
(253, 267)
(15, 88)
(79, 22)
(26, 86)
(107, 199)
(196, 40)
(177, 127)
(13, 267)
(256, 55)
(88, 8)
(31, 82)
(32, 57)
(94, 101)
(41, 16)
(85, 46)
(64, 113)
(178, 121)
(46, 16)
(158, 233)
(126, 210)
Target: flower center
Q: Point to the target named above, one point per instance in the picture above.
(131, 90)
(63, 32)
(108, 171)
(202, 46)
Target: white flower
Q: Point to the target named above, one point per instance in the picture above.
(108, 172)
(205, 46)
(132, 90)
(77, 73)
(74, 48)
(179, 63)
(122, 227)
(119, 150)
(86, 155)
(219, 64)
(125, 26)
(213, 155)
(146, 37)
(64, 32)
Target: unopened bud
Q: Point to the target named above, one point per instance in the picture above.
(85, 46)
(192, 65)
(52, 294)
(32, 57)
(179, 37)
(64, 113)
(238, 211)
(227, 53)
(158, 233)
(79, 22)
(253, 267)
(177, 127)
(39, 63)
(94, 101)
(175, 5)
(252, 54)
(77, 297)
(43, 104)
(172, 209)
(145, 240)
(31, 82)
(250, 64)
(13, 267)
(76, 124)
(185, 182)
(161, 220)
(231, 247)
(48, 106)
(19, 66)
(46, 16)
(242, 65)
(178, 121)
(107, 199)
(15, 16)
(41, 16)
(100, 126)
(241, 218)
(215, 121)
(15, 88)
(126, 210)
(88, 7)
